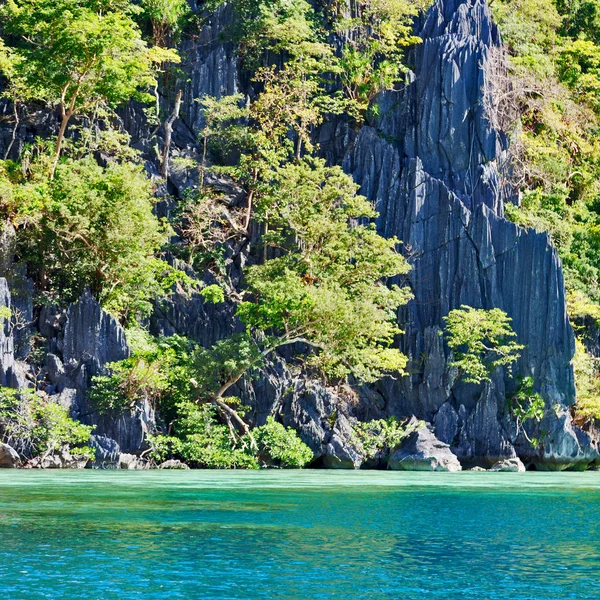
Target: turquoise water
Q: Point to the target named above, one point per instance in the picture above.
(299, 534)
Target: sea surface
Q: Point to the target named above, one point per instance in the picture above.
(298, 534)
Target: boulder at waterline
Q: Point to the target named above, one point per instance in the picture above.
(510, 465)
(422, 451)
(9, 459)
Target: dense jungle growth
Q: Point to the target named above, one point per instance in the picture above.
(294, 253)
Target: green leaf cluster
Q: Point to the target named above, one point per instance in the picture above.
(36, 426)
(481, 341)
(554, 65)
(90, 227)
(379, 437)
(280, 446)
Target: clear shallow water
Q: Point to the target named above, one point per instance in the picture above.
(299, 534)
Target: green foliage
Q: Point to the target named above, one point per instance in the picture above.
(92, 227)
(225, 362)
(78, 52)
(280, 26)
(36, 426)
(167, 18)
(376, 34)
(371, 59)
(5, 313)
(555, 88)
(379, 437)
(587, 382)
(527, 405)
(160, 371)
(481, 342)
(282, 446)
(201, 441)
(213, 294)
(80, 55)
(327, 286)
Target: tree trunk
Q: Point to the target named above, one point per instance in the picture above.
(59, 140)
(14, 131)
(164, 167)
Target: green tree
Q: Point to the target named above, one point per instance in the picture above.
(166, 18)
(326, 288)
(78, 54)
(91, 226)
(36, 426)
(375, 33)
(481, 341)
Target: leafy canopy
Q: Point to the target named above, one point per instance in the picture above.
(327, 287)
(481, 341)
(90, 226)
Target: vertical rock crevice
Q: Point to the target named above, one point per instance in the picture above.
(432, 165)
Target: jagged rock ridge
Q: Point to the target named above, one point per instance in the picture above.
(431, 165)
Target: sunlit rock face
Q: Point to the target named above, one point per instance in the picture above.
(432, 164)
(435, 168)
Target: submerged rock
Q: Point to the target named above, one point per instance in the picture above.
(131, 462)
(510, 465)
(422, 451)
(9, 459)
(173, 465)
(107, 451)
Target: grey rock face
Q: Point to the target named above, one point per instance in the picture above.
(432, 164)
(107, 451)
(422, 451)
(211, 65)
(92, 337)
(510, 465)
(9, 459)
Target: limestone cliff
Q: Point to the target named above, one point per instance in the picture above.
(433, 165)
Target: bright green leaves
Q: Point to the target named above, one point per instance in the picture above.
(587, 381)
(213, 294)
(77, 52)
(554, 91)
(328, 287)
(379, 437)
(280, 446)
(80, 55)
(579, 67)
(481, 341)
(36, 426)
(526, 405)
(92, 227)
(371, 60)
(200, 440)
(166, 18)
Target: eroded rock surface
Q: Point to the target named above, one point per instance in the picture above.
(9, 459)
(432, 164)
(422, 451)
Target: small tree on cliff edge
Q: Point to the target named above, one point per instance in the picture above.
(481, 340)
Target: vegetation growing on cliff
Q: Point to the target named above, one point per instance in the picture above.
(550, 102)
(293, 252)
(482, 340)
(35, 426)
